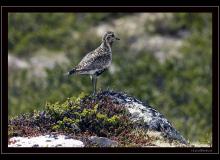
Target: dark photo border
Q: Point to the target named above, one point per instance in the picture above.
(4, 79)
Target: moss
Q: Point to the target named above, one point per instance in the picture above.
(97, 115)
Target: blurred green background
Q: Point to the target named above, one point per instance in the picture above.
(162, 58)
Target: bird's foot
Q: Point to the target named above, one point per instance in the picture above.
(93, 94)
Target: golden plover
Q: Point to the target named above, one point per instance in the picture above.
(96, 61)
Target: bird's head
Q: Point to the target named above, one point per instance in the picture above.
(109, 37)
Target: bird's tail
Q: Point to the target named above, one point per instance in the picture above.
(70, 72)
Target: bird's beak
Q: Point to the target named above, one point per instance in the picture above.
(117, 38)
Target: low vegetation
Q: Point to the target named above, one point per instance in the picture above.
(83, 117)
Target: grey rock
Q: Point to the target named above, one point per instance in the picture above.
(102, 142)
(58, 145)
(140, 111)
(35, 145)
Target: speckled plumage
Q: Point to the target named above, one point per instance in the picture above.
(97, 61)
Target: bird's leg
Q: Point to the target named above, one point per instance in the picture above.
(94, 81)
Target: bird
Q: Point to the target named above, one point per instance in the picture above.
(97, 61)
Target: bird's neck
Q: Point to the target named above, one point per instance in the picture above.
(106, 45)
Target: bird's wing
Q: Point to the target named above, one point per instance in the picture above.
(87, 58)
(92, 54)
(94, 61)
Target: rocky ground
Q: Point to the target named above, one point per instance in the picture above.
(109, 119)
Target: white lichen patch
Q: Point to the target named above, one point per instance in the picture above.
(44, 141)
(154, 134)
(136, 111)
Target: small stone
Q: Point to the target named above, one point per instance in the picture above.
(48, 140)
(58, 145)
(66, 137)
(103, 142)
(35, 145)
